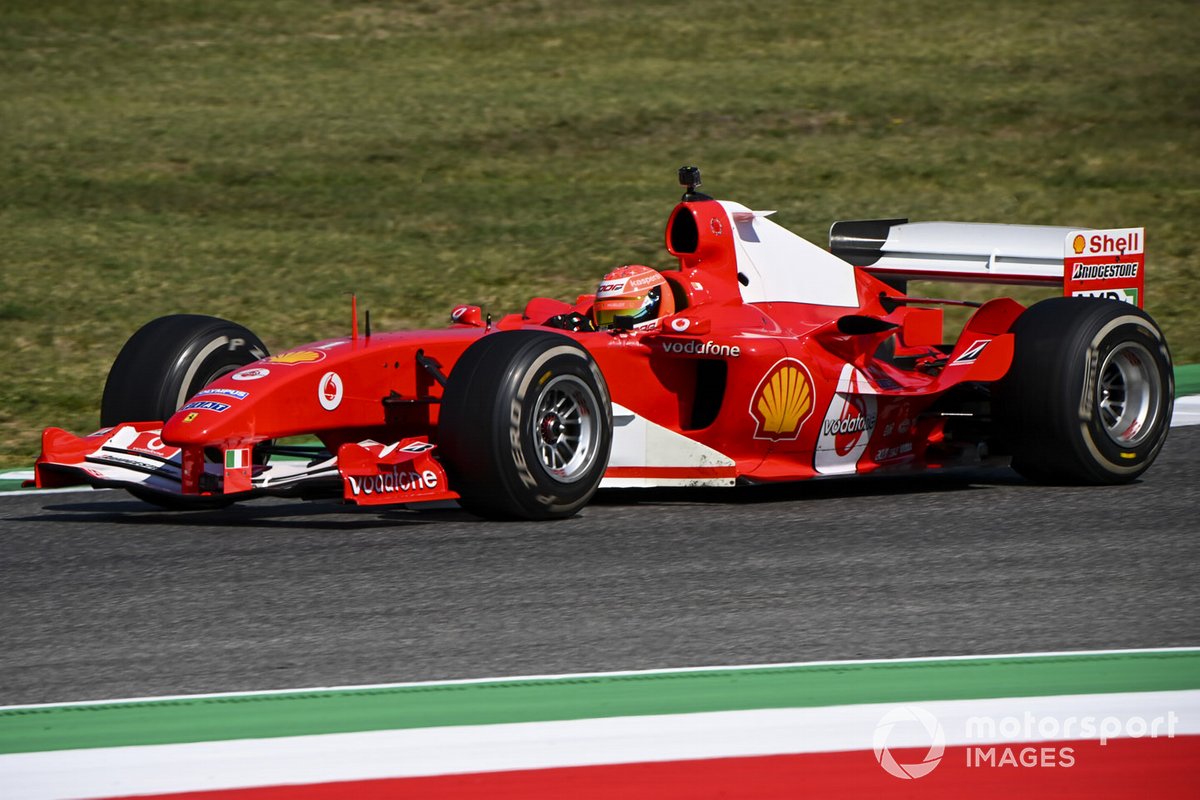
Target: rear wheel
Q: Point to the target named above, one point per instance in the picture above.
(1090, 393)
(163, 364)
(525, 426)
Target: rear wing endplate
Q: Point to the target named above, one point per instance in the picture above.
(1085, 262)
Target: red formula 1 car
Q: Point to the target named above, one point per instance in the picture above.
(775, 360)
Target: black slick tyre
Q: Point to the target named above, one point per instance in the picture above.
(1089, 396)
(168, 360)
(164, 363)
(525, 426)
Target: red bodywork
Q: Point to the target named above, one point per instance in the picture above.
(770, 390)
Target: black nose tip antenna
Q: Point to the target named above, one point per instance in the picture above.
(689, 179)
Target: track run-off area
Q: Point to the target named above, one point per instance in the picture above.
(727, 598)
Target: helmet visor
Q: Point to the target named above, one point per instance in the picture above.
(641, 307)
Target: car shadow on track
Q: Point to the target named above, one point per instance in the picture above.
(284, 515)
(956, 480)
(335, 516)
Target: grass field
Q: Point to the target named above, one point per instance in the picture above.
(260, 160)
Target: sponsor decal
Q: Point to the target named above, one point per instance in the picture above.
(888, 453)
(394, 481)
(459, 311)
(716, 227)
(847, 425)
(610, 288)
(297, 357)
(694, 347)
(849, 422)
(129, 461)
(417, 447)
(1123, 295)
(783, 400)
(251, 374)
(240, 395)
(237, 458)
(191, 417)
(330, 390)
(681, 324)
(152, 444)
(972, 353)
(1113, 242)
(649, 280)
(1078, 244)
(207, 405)
(1099, 272)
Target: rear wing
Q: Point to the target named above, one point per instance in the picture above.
(1085, 262)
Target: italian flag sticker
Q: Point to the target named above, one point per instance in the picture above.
(237, 458)
(237, 470)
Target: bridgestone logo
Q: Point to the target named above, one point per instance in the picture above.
(841, 427)
(709, 348)
(1089, 272)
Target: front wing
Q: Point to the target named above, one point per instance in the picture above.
(134, 456)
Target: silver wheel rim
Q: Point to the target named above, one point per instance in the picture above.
(1128, 394)
(564, 428)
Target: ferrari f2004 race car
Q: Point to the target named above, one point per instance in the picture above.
(768, 359)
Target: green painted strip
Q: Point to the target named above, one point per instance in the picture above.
(348, 710)
(1187, 379)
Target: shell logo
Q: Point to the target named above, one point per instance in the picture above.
(297, 357)
(783, 400)
(1079, 243)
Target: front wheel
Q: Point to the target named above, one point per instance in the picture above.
(1090, 393)
(168, 360)
(164, 363)
(525, 426)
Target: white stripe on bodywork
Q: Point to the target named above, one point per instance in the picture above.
(638, 442)
(325, 758)
(776, 265)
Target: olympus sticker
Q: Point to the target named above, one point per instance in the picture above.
(223, 393)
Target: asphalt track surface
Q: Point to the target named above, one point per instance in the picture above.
(102, 596)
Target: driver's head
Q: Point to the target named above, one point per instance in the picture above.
(634, 291)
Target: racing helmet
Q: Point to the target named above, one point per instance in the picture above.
(634, 291)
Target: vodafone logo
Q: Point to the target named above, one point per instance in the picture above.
(330, 390)
(394, 481)
(697, 348)
(680, 324)
(847, 428)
